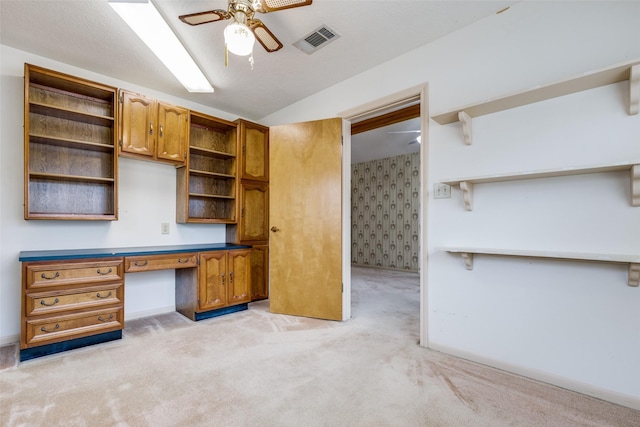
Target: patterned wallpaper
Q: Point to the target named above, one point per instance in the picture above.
(385, 208)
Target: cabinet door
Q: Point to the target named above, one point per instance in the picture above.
(212, 280)
(138, 124)
(254, 141)
(173, 133)
(239, 276)
(254, 213)
(259, 288)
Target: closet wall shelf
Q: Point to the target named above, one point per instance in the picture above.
(467, 254)
(466, 184)
(626, 71)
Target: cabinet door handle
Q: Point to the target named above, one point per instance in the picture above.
(44, 276)
(231, 278)
(222, 279)
(44, 328)
(49, 305)
(99, 271)
(140, 263)
(160, 130)
(105, 320)
(150, 128)
(103, 297)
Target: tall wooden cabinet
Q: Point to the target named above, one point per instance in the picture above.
(253, 223)
(206, 187)
(152, 130)
(69, 147)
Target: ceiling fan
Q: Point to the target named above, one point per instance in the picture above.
(245, 29)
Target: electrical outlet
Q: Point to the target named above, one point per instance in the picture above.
(164, 228)
(441, 191)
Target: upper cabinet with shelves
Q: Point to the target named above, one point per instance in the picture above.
(626, 71)
(152, 130)
(69, 145)
(206, 188)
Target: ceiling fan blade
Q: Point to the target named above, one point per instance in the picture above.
(275, 5)
(205, 17)
(266, 38)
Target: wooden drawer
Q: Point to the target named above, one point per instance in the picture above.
(48, 274)
(46, 330)
(41, 303)
(134, 264)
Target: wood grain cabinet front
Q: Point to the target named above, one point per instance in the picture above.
(159, 262)
(66, 300)
(152, 130)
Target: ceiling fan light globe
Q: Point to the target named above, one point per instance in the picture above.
(239, 39)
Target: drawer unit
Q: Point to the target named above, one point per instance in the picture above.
(49, 329)
(40, 303)
(160, 262)
(57, 274)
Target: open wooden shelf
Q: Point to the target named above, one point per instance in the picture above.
(467, 254)
(626, 71)
(466, 184)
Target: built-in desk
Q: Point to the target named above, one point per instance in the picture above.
(74, 298)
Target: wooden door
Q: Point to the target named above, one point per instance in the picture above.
(254, 211)
(138, 124)
(239, 276)
(173, 133)
(306, 218)
(212, 280)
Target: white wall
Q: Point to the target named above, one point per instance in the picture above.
(570, 323)
(147, 198)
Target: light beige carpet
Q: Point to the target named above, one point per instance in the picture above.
(255, 368)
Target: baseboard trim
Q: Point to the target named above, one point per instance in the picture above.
(9, 339)
(148, 313)
(556, 380)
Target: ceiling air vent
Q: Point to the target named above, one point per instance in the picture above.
(318, 38)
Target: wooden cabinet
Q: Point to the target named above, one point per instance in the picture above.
(206, 187)
(253, 224)
(254, 142)
(69, 146)
(152, 130)
(134, 264)
(259, 272)
(65, 301)
(223, 280)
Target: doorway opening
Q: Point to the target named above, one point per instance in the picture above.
(389, 222)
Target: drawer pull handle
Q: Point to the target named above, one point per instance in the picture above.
(140, 263)
(105, 320)
(106, 272)
(44, 328)
(55, 276)
(183, 260)
(105, 296)
(49, 305)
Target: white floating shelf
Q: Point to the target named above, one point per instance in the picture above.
(466, 184)
(467, 254)
(626, 71)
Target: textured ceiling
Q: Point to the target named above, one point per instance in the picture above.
(90, 35)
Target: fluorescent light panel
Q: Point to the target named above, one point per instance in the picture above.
(145, 20)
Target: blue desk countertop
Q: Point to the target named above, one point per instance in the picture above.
(56, 255)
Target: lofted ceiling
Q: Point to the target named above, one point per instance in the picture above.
(90, 35)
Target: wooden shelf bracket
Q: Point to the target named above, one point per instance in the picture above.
(635, 185)
(634, 90)
(465, 119)
(467, 194)
(634, 275)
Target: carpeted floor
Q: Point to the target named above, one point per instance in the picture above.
(255, 368)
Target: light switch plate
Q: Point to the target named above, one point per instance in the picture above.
(164, 228)
(441, 191)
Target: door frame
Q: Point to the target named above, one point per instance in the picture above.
(412, 94)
